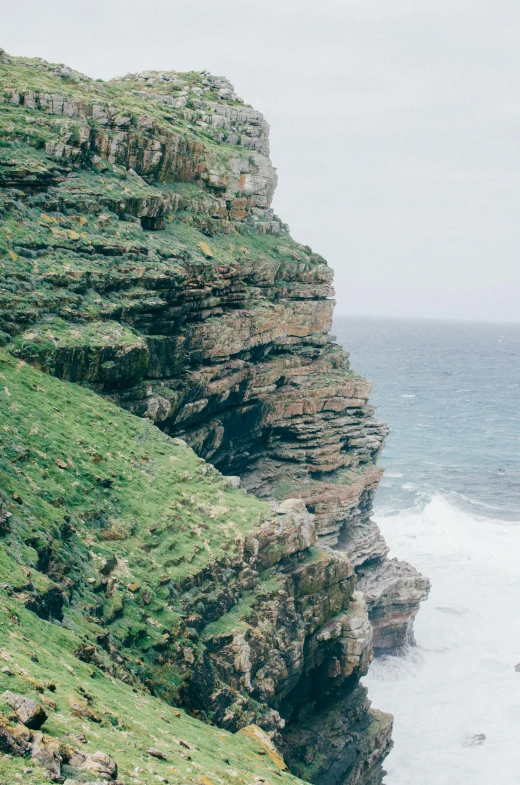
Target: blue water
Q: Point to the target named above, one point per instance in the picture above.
(451, 394)
(450, 504)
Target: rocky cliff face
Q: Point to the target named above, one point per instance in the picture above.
(142, 258)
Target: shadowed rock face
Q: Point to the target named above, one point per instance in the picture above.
(148, 264)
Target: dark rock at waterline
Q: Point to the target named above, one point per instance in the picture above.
(473, 739)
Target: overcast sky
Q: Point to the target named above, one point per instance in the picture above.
(395, 126)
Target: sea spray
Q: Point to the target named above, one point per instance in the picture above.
(456, 696)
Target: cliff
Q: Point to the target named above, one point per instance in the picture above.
(141, 259)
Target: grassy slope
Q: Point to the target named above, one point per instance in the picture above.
(121, 475)
(157, 486)
(130, 721)
(93, 483)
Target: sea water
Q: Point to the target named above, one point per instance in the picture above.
(450, 504)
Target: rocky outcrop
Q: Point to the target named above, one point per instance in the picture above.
(393, 591)
(28, 711)
(50, 753)
(305, 635)
(354, 739)
(144, 260)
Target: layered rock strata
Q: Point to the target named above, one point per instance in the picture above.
(142, 258)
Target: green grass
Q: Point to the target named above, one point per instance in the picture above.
(56, 333)
(98, 495)
(89, 486)
(117, 465)
(87, 483)
(131, 721)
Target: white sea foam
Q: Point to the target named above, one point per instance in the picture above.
(460, 681)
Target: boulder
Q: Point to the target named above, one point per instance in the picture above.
(27, 710)
(14, 741)
(233, 481)
(100, 764)
(156, 753)
(5, 517)
(49, 753)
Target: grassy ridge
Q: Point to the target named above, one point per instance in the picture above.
(89, 485)
(115, 512)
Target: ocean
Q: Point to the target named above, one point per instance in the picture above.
(449, 503)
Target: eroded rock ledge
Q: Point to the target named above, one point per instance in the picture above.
(143, 259)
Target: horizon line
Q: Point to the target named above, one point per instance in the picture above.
(427, 318)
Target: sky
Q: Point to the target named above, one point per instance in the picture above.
(395, 126)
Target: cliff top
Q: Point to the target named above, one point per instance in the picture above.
(135, 179)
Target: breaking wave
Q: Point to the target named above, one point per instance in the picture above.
(456, 695)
